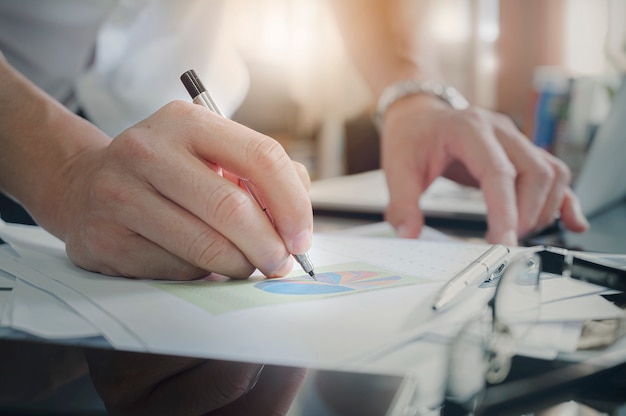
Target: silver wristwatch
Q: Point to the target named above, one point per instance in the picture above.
(401, 89)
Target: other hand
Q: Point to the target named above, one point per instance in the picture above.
(525, 188)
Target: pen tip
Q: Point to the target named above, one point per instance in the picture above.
(312, 274)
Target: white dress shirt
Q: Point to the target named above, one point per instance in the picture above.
(119, 61)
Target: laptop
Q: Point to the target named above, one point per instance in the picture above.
(600, 184)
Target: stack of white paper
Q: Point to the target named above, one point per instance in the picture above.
(372, 301)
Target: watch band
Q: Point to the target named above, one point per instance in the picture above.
(401, 89)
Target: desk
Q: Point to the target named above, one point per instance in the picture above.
(346, 397)
(602, 388)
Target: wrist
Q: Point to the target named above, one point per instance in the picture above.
(412, 87)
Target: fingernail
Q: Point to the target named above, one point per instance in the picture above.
(301, 243)
(404, 231)
(510, 238)
(580, 217)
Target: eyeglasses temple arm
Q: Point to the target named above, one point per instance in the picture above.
(560, 261)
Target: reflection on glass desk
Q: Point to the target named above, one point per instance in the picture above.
(534, 387)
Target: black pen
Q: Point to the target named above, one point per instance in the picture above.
(201, 96)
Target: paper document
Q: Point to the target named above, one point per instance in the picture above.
(371, 302)
(367, 193)
(367, 290)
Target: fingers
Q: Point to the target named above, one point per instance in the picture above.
(251, 156)
(524, 187)
(226, 217)
(303, 174)
(273, 394)
(572, 216)
(149, 384)
(542, 182)
(405, 183)
(540, 178)
(478, 149)
(500, 199)
(124, 380)
(126, 244)
(262, 161)
(420, 144)
(203, 389)
(158, 199)
(558, 178)
(124, 253)
(404, 160)
(127, 228)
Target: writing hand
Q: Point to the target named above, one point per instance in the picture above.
(150, 204)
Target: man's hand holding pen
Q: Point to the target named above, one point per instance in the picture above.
(201, 96)
(160, 172)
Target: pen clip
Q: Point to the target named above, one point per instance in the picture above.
(498, 272)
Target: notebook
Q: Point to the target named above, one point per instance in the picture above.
(600, 184)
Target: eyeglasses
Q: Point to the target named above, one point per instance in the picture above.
(482, 351)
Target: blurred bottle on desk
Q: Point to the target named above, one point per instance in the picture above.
(551, 91)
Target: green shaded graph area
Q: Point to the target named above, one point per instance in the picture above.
(339, 280)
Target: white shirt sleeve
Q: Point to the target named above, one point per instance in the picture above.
(143, 49)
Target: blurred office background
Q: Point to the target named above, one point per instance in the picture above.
(501, 55)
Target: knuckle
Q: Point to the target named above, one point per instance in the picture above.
(504, 168)
(275, 254)
(134, 146)
(562, 171)
(174, 110)
(504, 121)
(205, 249)
(196, 117)
(90, 248)
(303, 174)
(473, 117)
(230, 204)
(176, 106)
(211, 253)
(267, 154)
(543, 173)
